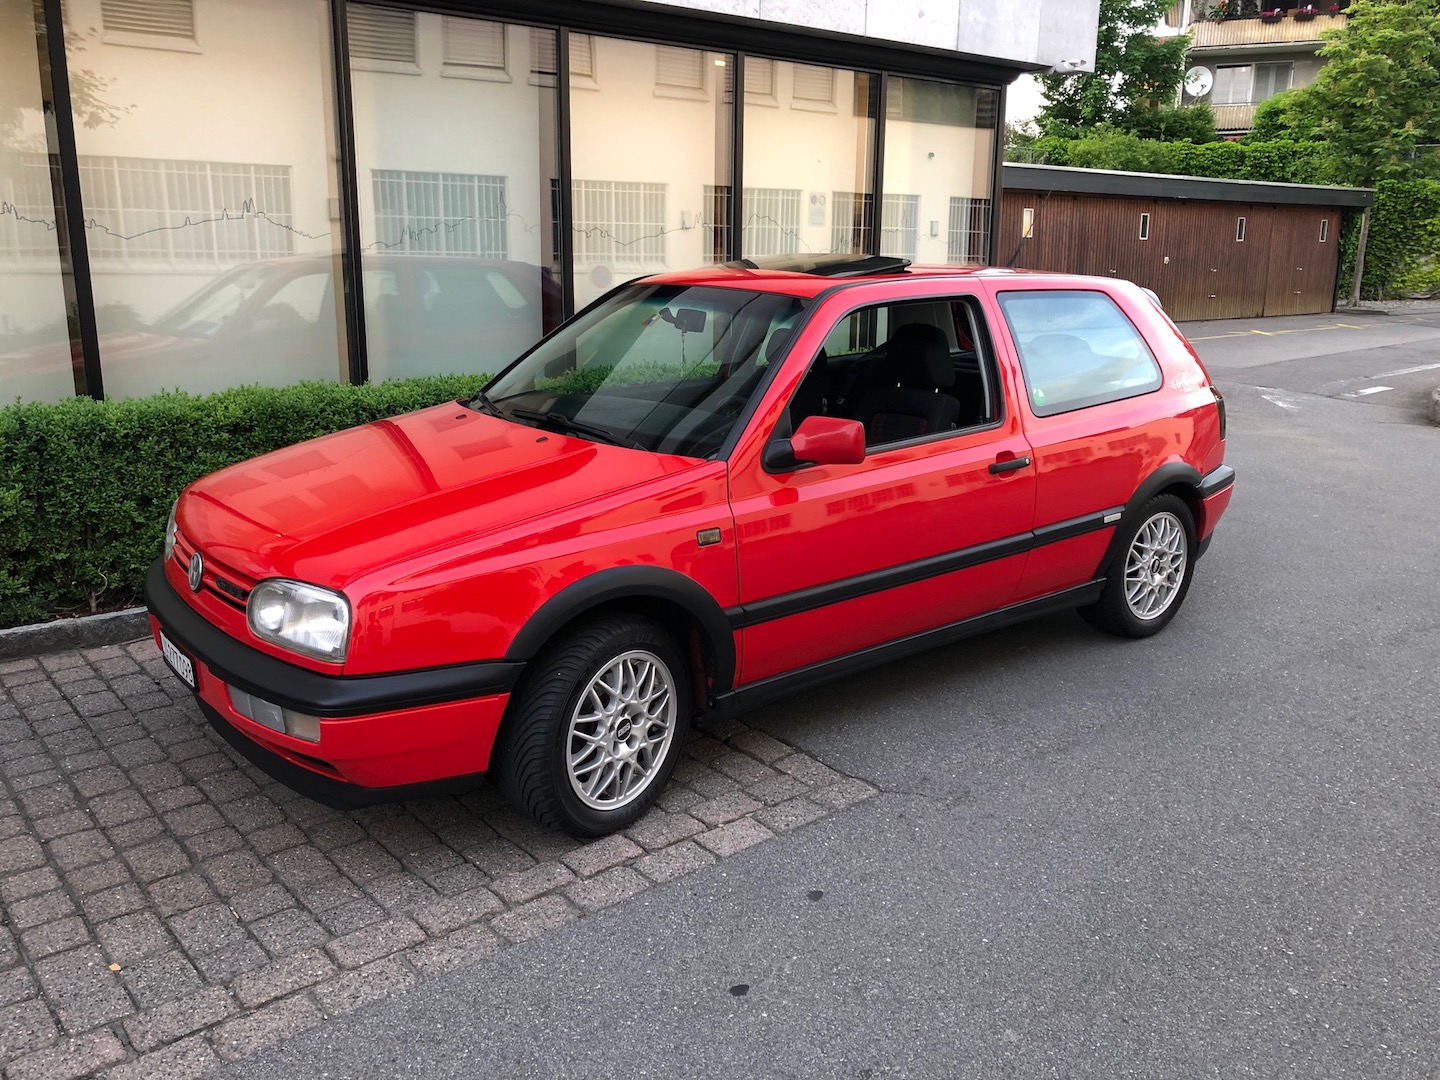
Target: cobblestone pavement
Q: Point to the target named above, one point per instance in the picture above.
(167, 907)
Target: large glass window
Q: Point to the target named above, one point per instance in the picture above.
(940, 146)
(650, 151)
(1244, 84)
(209, 193)
(35, 361)
(809, 130)
(456, 155)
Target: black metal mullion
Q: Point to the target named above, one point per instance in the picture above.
(877, 164)
(75, 271)
(566, 169)
(997, 182)
(737, 158)
(351, 280)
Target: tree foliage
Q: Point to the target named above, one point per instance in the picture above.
(1135, 73)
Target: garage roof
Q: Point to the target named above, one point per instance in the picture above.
(1020, 177)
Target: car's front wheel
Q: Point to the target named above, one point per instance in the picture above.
(596, 726)
(1151, 574)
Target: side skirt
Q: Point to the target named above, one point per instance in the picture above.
(753, 695)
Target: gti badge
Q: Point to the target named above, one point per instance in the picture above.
(197, 570)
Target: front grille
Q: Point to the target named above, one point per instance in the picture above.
(218, 580)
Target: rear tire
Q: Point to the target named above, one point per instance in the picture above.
(1151, 573)
(596, 726)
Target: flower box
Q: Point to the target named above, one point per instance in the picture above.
(1306, 13)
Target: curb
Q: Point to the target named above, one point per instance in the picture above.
(111, 628)
(1435, 406)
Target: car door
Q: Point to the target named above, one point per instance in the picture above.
(928, 530)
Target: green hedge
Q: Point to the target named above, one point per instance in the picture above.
(86, 486)
(1278, 161)
(1402, 254)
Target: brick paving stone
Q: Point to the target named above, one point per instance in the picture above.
(307, 812)
(47, 907)
(235, 1039)
(156, 859)
(790, 814)
(188, 1059)
(704, 780)
(204, 765)
(602, 854)
(258, 903)
(17, 984)
(453, 912)
(63, 824)
(539, 842)
(301, 866)
(807, 770)
(96, 704)
(216, 842)
(226, 963)
(676, 798)
(356, 988)
(760, 746)
(520, 888)
(161, 776)
(182, 892)
(365, 861)
(325, 896)
(25, 1028)
(100, 876)
(335, 833)
(458, 879)
(776, 788)
(134, 833)
(734, 837)
(173, 798)
(20, 853)
(724, 808)
(607, 888)
(742, 768)
(161, 978)
(705, 748)
(176, 1019)
(283, 977)
(350, 917)
(401, 892)
(119, 807)
(846, 793)
(83, 989)
(14, 825)
(533, 919)
(373, 942)
(136, 752)
(27, 759)
(674, 861)
(54, 937)
(237, 872)
(101, 781)
(9, 949)
(193, 820)
(70, 1060)
(465, 946)
(288, 932)
(226, 786)
(275, 838)
(497, 856)
(133, 937)
(207, 928)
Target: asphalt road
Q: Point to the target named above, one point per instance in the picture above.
(1214, 853)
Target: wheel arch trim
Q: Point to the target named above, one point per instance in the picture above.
(1171, 474)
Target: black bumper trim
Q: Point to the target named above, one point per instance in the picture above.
(313, 692)
(336, 794)
(1217, 481)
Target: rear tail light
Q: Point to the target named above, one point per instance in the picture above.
(1220, 404)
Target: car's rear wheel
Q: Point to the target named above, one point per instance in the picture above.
(1151, 574)
(596, 726)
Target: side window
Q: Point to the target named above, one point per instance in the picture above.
(1077, 349)
(906, 371)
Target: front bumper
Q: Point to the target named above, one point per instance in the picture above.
(379, 734)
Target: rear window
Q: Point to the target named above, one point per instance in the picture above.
(1077, 349)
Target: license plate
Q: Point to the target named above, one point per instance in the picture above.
(179, 663)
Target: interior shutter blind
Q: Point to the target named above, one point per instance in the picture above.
(474, 43)
(382, 34)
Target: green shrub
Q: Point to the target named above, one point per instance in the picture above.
(86, 486)
(1404, 242)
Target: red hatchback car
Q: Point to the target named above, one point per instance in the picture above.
(705, 491)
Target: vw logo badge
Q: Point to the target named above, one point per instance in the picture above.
(197, 570)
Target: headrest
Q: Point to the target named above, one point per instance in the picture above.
(918, 355)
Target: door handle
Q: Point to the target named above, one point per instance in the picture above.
(1010, 465)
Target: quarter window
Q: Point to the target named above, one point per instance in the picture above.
(1077, 349)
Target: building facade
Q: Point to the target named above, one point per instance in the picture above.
(198, 194)
(1244, 52)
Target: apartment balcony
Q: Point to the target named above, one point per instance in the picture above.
(1232, 118)
(1228, 33)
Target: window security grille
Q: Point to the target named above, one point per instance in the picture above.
(382, 34)
(852, 217)
(474, 43)
(771, 222)
(618, 222)
(27, 210)
(168, 18)
(968, 240)
(716, 223)
(900, 226)
(440, 213)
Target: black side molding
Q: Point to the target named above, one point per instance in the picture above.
(1217, 481)
(312, 692)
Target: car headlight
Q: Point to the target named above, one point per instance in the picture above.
(306, 618)
(170, 530)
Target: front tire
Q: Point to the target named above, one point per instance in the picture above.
(596, 727)
(1151, 573)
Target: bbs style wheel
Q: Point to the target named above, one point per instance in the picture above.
(1148, 581)
(596, 727)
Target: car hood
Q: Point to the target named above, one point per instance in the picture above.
(331, 509)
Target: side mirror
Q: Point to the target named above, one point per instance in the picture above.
(820, 440)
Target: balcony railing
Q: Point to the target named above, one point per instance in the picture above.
(1247, 31)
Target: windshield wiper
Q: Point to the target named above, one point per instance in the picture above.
(483, 400)
(575, 427)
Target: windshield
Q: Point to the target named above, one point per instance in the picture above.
(666, 368)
